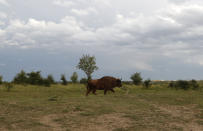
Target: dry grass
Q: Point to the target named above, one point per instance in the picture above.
(64, 108)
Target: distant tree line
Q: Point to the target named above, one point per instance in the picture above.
(35, 78)
(183, 84)
(87, 64)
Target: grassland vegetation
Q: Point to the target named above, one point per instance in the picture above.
(74, 77)
(65, 107)
(185, 85)
(136, 78)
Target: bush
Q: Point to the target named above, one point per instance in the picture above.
(182, 84)
(8, 86)
(63, 79)
(21, 78)
(74, 77)
(147, 83)
(50, 78)
(35, 78)
(171, 84)
(136, 78)
(1, 80)
(194, 84)
(46, 82)
(83, 80)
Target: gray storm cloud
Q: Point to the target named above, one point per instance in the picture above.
(138, 39)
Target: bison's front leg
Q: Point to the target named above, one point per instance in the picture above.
(112, 90)
(105, 90)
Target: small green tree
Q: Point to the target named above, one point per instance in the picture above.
(194, 84)
(182, 84)
(136, 78)
(88, 64)
(46, 82)
(21, 78)
(83, 80)
(63, 79)
(50, 78)
(74, 77)
(171, 84)
(1, 80)
(147, 83)
(35, 78)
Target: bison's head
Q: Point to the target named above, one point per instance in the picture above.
(118, 83)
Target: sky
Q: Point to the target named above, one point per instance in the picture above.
(162, 39)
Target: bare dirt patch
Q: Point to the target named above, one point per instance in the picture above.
(185, 114)
(49, 121)
(106, 122)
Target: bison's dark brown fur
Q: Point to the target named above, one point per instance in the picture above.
(105, 83)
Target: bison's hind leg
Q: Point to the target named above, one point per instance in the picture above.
(88, 91)
(94, 91)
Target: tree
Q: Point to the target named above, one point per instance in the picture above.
(50, 78)
(47, 82)
(88, 65)
(171, 84)
(83, 80)
(136, 78)
(183, 84)
(35, 78)
(74, 77)
(63, 79)
(21, 78)
(1, 80)
(147, 83)
(194, 84)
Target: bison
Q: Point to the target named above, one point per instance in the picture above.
(105, 83)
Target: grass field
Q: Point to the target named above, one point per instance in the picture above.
(66, 108)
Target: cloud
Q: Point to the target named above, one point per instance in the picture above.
(4, 2)
(3, 15)
(138, 40)
(82, 12)
(63, 3)
(178, 1)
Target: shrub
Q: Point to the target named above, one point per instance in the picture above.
(171, 84)
(74, 77)
(182, 84)
(46, 82)
(147, 83)
(63, 79)
(35, 78)
(21, 78)
(8, 86)
(194, 84)
(136, 78)
(1, 80)
(50, 78)
(83, 80)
